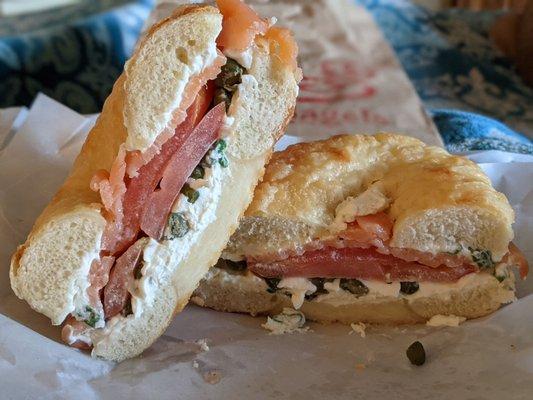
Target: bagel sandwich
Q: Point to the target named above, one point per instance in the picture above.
(375, 229)
(162, 179)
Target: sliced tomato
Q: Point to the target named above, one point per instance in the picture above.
(118, 237)
(240, 25)
(358, 263)
(179, 168)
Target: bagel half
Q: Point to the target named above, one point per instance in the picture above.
(65, 256)
(379, 229)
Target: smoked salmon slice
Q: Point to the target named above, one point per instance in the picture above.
(240, 25)
(283, 45)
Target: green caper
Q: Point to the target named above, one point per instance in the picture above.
(220, 145)
(354, 286)
(198, 172)
(223, 161)
(179, 226)
(93, 317)
(230, 75)
(272, 284)
(416, 353)
(191, 194)
(409, 287)
(319, 283)
(483, 258)
(238, 266)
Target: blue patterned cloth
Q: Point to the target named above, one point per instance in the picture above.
(464, 131)
(75, 63)
(446, 54)
(453, 65)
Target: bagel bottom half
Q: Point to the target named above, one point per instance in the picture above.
(229, 291)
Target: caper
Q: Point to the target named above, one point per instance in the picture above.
(416, 353)
(191, 194)
(409, 287)
(230, 75)
(238, 266)
(179, 226)
(223, 161)
(93, 317)
(198, 172)
(272, 284)
(354, 286)
(220, 145)
(483, 258)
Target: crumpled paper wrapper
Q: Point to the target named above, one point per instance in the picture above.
(489, 358)
(352, 81)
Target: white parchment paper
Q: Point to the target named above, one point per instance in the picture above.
(489, 358)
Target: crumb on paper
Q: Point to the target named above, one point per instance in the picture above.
(195, 364)
(445, 320)
(358, 328)
(203, 344)
(289, 321)
(360, 367)
(212, 377)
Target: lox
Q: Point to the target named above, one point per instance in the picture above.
(162, 178)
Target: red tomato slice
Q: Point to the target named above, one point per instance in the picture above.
(118, 236)
(358, 263)
(178, 170)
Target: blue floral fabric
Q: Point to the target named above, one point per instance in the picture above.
(463, 131)
(75, 63)
(446, 54)
(452, 63)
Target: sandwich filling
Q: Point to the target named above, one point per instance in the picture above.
(358, 261)
(156, 203)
